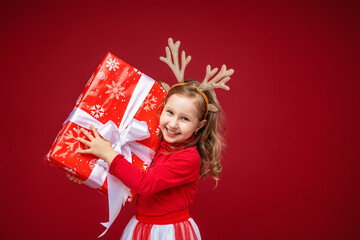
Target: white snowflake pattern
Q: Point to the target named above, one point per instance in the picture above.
(157, 131)
(71, 137)
(112, 64)
(115, 90)
(92, 163)
(101, 75)
(149, 102)
(130, 197)
(57, 148)
(145, 167)
(97, 111)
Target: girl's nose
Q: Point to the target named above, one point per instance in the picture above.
(173, 123)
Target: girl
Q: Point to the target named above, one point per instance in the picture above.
(190, 148)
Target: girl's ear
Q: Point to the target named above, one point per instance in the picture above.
(200, 125)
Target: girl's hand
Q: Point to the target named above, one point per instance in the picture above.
(73, 178)
(97, 146)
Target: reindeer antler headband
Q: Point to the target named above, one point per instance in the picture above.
(217, 82)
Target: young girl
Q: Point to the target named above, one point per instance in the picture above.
(190, 148)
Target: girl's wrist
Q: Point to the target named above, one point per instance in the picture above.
(109, 156)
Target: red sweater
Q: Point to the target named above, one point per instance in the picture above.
(168, 186)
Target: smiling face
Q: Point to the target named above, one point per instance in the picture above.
(179, 119)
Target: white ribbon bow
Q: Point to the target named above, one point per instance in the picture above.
(122, 143)
(123, 140)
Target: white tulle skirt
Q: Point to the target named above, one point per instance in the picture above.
(186, 230)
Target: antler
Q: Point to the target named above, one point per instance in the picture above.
(218, 81)
(174, 65)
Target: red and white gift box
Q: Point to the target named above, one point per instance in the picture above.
(121, 102)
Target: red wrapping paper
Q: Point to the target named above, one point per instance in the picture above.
(106, 97)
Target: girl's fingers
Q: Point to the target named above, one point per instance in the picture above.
(96, 133)
(86, 151)
(87, 134)
(77, 180)
(87, 143)
(74, 179)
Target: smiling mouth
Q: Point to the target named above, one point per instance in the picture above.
(172, 132)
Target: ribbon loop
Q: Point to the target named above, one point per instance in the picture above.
(137, 130)
(110, 132)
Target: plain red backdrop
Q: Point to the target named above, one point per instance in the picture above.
(292, 162)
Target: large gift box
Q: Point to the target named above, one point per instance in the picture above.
(122, 103)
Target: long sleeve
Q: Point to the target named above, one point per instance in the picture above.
(168, 171)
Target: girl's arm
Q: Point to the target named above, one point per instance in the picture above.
(183, 166)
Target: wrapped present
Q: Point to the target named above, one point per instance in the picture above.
(121, 102)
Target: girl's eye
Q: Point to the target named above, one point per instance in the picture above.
(170, 112)
(186, 119)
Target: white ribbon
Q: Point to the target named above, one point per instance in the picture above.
(123, 140)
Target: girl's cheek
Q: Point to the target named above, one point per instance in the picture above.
(166, 118)
(162, 118)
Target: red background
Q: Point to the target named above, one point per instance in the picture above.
(291, 167)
